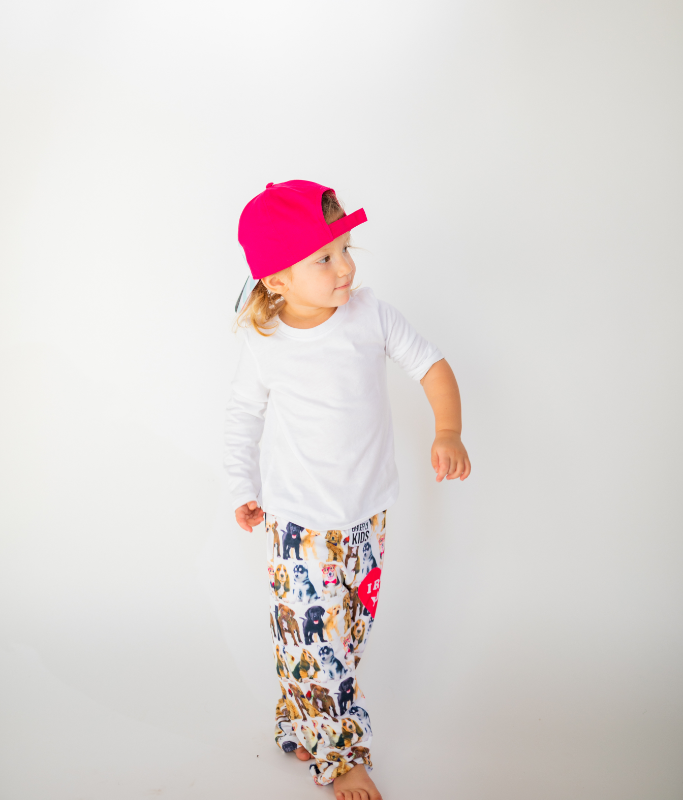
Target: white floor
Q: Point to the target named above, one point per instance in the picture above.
(59, 744)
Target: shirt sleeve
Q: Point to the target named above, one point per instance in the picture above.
(244, 421)
(404, 344)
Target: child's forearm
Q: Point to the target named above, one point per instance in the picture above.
(443, 394)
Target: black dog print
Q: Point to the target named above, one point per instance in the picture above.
(313, 624)
(345, 695)
(291, 538)
(332, 666)
(303, 590)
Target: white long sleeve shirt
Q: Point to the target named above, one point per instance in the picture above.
(317, 401)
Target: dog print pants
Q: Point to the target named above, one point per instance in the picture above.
(324, 587)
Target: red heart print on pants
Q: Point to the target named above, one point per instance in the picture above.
(368, 591)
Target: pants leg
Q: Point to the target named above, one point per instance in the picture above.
(324, 587)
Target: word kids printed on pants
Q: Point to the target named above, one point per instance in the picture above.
(324, 587)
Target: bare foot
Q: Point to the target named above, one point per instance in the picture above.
(356, 785)
(302, 754)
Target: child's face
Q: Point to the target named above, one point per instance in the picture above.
(324, 279)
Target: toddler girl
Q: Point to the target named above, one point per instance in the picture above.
(313, 354)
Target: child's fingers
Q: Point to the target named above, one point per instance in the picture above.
(468, 469)
(458, 469)
(444, 464)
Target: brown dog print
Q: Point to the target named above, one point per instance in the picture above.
(322, 700)
(302, 701)
(355, 601)
(347, 613)
(361, 754)
(288, 623)
(281, 585)
(352, 553)
(334, 551)
(271, 528)
(292, 709)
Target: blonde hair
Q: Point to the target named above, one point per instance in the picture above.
(261, 308)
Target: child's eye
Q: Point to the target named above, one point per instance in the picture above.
(322, 260)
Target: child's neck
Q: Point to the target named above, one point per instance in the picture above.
(305, 316)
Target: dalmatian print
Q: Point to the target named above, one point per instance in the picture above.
(324, 588)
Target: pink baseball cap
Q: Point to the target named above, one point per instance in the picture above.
(285, 224)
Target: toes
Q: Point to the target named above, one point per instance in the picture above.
(302, 754)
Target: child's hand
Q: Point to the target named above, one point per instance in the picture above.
(248, 515)
(449, 457)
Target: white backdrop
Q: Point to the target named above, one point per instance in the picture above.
(520, 165)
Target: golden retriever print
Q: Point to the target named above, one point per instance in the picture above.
(334, 551)
(342, 765)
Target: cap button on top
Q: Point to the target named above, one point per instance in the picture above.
(269, 185)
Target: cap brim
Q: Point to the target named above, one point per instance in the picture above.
(245, 293)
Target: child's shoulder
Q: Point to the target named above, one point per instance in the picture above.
(364, 295)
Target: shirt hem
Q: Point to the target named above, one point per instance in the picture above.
(314, 525)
